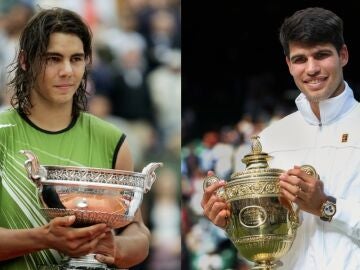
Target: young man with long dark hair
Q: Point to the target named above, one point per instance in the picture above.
(48, 118)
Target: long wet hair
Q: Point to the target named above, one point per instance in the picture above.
(312, 26)
(30, 60)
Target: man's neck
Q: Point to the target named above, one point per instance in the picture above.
(54, 119)
(316, 109)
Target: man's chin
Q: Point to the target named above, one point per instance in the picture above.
(316, 98)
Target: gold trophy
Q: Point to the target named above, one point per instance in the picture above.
(262, 224)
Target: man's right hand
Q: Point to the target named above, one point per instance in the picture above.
(215, 208)
(74, 242)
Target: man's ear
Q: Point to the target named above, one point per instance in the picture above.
(344, 55)
(22, 60)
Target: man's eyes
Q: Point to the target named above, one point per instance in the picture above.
(52, 59)
(318, 56)
(77, 59)
(299, 60)
(322, 55)
(56, 59)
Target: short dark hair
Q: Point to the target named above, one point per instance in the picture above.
(312, 26)
(34, 41)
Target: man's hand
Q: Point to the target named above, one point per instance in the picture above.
(215, 208)
(71, 241)
(106, 249)
(303, 189)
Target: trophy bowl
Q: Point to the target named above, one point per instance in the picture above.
(92, 195)
(262, 224)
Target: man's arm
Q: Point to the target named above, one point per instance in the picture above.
(132, 245)
(15, 243)
(308, 193)
(57, 234)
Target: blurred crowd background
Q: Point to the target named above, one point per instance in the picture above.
(134, 83)
(235, 83)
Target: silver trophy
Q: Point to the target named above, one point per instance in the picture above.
(93, 195)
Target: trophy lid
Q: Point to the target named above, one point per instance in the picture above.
(256, 163)
(257, 158)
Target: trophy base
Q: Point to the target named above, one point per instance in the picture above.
(267, 265)
(87, 262)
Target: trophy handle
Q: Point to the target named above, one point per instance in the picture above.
(34, 171)
(150, 175)
(294, 216)
(310, 170)
(293, 212)
(209, 180)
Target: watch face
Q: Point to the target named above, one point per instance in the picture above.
(329, 209)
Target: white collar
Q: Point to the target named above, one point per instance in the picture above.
(330, 109)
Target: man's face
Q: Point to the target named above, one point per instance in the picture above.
(317, 69)
(61, 73)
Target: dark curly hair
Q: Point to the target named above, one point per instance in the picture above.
(34, 41)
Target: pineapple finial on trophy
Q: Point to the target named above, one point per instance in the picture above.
(256, 147)
(257, 158)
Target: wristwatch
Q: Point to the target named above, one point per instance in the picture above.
(328, 209)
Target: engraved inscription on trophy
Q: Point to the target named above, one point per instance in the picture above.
(252, 216)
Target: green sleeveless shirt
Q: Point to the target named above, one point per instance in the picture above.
(87, 141)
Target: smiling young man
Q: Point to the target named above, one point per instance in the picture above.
(323, 133)
(48, 118)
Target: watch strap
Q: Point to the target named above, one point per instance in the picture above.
(331, 199)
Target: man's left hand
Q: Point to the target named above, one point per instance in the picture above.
(303, 189)
(106, 249)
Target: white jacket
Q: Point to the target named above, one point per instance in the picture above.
(301, 139)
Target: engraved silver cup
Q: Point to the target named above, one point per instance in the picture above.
(93, 195)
